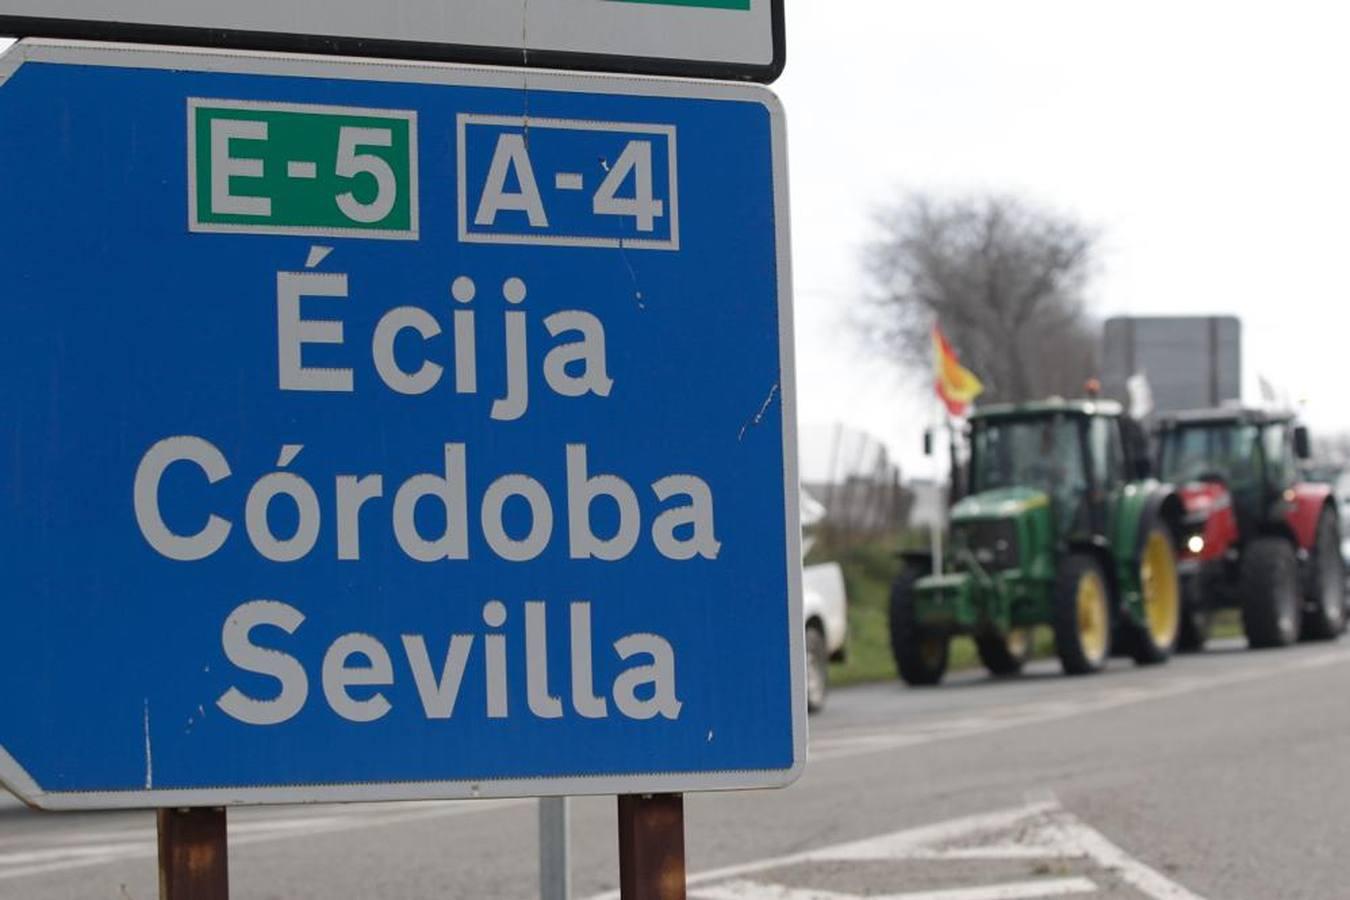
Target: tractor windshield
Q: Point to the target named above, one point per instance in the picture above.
(1228, 451)
(1041, 452)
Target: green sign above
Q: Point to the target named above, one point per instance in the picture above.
(722, 39)
(706, 4)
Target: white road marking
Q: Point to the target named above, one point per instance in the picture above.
(1130, 870)
(1018, 890)
(751, 890)
(1041, 830)
(922, 842)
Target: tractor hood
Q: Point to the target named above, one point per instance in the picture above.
(1202, 497)
(1001, 503)
(1002, 530)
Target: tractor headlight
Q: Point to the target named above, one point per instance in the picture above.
(1196, 544)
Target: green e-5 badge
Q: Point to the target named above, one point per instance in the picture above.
(278, 168)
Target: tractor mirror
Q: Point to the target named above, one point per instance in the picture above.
(1302, 443)
(928, 442)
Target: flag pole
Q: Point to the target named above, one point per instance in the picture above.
(954, 388)
(940, 519)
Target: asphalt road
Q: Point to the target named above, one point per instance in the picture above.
(1222, 776)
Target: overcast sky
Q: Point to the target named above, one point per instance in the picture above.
(1207, 140)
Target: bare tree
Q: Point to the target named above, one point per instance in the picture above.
(1005, 279)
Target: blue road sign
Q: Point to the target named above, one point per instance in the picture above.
(391, 431)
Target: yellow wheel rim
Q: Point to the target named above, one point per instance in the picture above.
(1094, 618)
(1162, 597)
(1019, 642)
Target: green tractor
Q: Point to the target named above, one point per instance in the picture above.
(1062, 525)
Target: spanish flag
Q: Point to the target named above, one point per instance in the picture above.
(956, 385)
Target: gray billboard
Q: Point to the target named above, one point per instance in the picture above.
(1190, 361)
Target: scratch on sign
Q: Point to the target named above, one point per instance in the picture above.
(149, 759)
(525, 68)
(759, 416)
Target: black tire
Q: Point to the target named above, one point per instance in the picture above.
(1272, 605)
(1152, 641)
(1324, 614)
(817, 668)
(920, 654)
(1004, 654)
(1077, 654)
(1196, 618)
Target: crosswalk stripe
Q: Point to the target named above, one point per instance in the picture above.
(1016, 890)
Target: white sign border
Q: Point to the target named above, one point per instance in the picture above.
(85, 53)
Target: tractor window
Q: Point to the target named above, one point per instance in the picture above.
(1107, 455)
(1279, 455)
(1044, 453)
(1226, 451)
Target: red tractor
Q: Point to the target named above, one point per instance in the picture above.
(1256, 537)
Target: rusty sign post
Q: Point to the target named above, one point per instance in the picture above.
(193, 854)
(651, 847)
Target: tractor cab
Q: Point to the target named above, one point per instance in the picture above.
(1243, 457)
(1257, 536)
(1071, 458)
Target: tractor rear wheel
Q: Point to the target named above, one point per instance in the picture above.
(1004, 654)
(1153, 640)
(1272, 607)
(1082, 616)
(1324, 617)
(920, 653)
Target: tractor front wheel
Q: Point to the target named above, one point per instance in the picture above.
(1082, 616)
(920, 653)
(1004, 654)
(1325, 616)
(1153, 640)
(1272, 608)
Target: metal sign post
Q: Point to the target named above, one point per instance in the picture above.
(555, 862)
